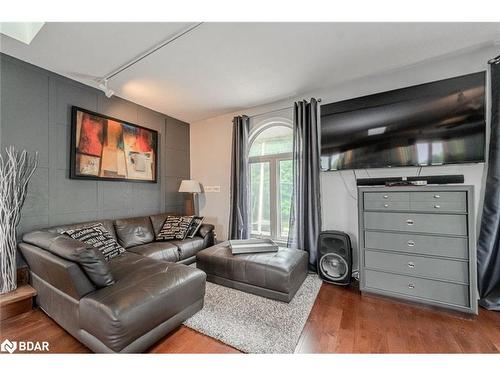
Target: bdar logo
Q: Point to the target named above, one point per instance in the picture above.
(8, 346)
(24, 346)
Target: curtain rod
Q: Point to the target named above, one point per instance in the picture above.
(277, 110)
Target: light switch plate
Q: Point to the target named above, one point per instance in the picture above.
(212, 189)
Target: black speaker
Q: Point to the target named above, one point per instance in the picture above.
(335, 257)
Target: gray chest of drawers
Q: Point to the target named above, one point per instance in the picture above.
(418, 243)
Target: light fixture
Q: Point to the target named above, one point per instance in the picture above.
(103, 82)
(193, 187)
(103, 85)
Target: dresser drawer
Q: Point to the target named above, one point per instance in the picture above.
(411, 222)
(439, 291)
(438, 196)
(451, 247)
(446, 206)
(452, 270)
(387, 205)
(387, 197)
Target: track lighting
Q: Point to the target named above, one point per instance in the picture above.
(103, 82)
(103, 85)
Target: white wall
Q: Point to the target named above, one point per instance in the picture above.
(211, 142)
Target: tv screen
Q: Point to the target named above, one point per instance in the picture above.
(436, 123)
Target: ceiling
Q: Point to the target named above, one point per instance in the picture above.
(219, 68)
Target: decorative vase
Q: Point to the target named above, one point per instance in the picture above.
(16, 169)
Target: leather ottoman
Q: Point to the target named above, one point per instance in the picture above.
(272, 275)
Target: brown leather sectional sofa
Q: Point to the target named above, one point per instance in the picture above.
(124, 305)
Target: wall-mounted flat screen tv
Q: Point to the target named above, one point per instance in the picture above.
(436, 123)
(106, 148)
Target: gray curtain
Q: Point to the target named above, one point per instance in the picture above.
(305, 215)
(239, 216)
(488, 249)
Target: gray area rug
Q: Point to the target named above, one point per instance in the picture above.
(255, 324)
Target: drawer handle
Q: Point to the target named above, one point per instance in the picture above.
(386, 205)
(411, 243)
(386, 196)
(437, 206)
(437, 196)
(411, 265)
(410, 222)
(411, 286)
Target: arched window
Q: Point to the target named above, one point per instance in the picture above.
(271, 180)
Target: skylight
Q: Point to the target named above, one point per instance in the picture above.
(22, 31)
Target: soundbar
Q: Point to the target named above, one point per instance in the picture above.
(412, 180)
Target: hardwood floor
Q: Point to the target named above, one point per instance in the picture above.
(344, 321)
(341, 321)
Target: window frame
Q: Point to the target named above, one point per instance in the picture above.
(274, 181)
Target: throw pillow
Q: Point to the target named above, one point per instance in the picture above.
(194, 226)
(174, 228)
(98, 237)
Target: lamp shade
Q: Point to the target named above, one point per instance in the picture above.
(189, 186)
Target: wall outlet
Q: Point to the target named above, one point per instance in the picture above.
(212, 189)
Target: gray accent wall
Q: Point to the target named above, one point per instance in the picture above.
(35, 107)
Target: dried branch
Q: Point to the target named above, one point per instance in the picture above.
(16, 169)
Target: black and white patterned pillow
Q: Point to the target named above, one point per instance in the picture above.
(97, 236)
(194, 226)
(174, 228)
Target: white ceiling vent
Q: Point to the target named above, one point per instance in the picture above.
(23, 31)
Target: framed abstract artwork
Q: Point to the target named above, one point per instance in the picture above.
(105, 148)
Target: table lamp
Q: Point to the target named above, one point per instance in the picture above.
(193, 187)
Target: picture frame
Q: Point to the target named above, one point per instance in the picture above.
(109, 149)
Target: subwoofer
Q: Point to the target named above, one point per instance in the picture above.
(335, 257)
